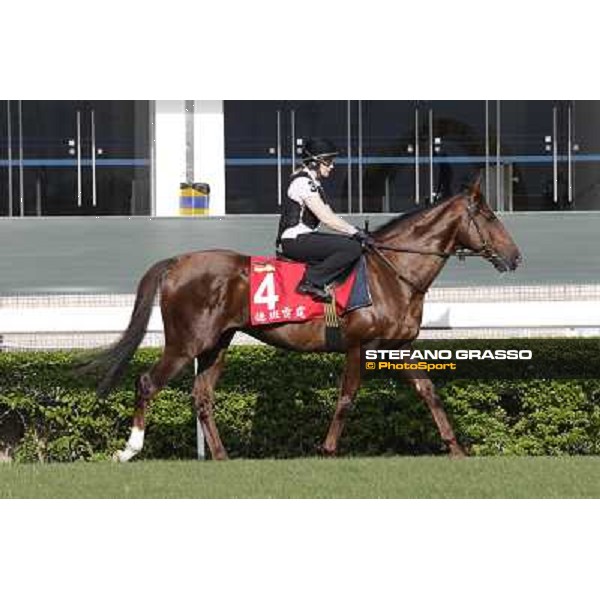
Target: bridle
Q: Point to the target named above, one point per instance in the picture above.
(485, 251)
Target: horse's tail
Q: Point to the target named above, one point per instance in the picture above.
(110, 363)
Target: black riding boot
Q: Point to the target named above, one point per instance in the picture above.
(314, 291)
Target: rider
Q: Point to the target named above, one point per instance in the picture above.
(304, 208)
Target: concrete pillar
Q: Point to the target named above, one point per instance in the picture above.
(170, 155)
(209, 151)
(172, 132)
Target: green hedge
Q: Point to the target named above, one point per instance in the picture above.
(278, 404)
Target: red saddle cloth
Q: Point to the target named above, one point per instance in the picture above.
(273, 296)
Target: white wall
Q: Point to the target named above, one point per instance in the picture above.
(169, 144)
(444, 315)
(209, 151)
(170, 152)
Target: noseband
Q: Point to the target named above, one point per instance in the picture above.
(486, 250)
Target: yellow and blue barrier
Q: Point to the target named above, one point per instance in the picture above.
(194, 199)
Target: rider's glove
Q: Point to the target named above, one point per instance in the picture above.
(364, 238)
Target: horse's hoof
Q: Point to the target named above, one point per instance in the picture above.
(119, 457)
(325, 452)
(457, 452)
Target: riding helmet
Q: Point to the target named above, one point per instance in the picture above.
(318, 149)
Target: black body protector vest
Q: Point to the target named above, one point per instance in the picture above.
(293, 214)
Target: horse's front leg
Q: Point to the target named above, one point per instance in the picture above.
(426, 391)
(348, 389)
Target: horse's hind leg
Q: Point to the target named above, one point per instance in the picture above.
(348, 389)
(210, 367)
(426, 391)
(148, 385)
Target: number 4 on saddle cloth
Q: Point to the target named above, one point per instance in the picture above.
(273, 296)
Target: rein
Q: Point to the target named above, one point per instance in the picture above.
(377, 251)
(460, 253)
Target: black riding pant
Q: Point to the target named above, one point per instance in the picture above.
(328, 255)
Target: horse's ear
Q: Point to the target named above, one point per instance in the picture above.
(476, 187)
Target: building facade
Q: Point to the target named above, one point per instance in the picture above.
(74, 158)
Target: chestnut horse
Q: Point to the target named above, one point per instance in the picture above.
(204, 300)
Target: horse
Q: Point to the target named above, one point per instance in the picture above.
(204, 301)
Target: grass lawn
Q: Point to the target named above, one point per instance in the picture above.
(422, 477)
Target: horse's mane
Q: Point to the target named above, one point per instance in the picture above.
(408, 216)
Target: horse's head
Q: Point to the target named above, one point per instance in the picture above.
(481, 231)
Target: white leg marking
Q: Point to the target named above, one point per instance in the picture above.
(134, 446)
